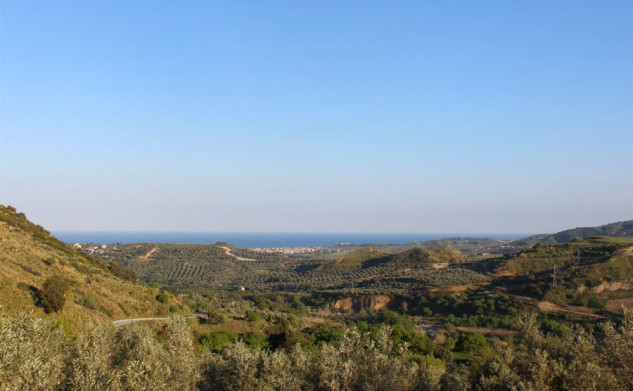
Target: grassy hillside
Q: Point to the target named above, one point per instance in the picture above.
(97, 290)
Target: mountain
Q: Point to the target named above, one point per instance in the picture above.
(622, 229)
(95, 290)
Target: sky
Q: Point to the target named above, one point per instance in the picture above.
(317, 116)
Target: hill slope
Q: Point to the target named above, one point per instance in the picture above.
(420, 257)
(593, 266)
(98, 290)
(622, 229)
(355, 260)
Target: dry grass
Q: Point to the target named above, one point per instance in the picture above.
(95, 294)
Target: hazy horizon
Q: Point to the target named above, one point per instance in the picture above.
(267, 239)
(317, 116)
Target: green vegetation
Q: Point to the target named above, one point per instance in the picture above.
(53, 293)
(581, 272)
(38, 273)
(215, 341)
(162, 297)
(472, 342)
(367, 270)
(419, 319)
(36, 355)
(354, 260)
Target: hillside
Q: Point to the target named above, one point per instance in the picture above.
(368, 257)
(596, 269)
(98, 290)
(622, 229)
(354, 260)
(434, 256)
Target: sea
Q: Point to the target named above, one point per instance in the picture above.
(266, 239)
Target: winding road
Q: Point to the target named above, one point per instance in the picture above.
(228, 252)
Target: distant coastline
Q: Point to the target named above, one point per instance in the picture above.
(266, 239)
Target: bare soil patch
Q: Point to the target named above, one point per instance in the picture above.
(616, 305)
(547, 306)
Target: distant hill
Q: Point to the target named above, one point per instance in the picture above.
(622, 229)
(98, 290)
(355, 260)
(414, 257)
(429, 255)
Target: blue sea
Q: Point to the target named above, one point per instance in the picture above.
(264, 239)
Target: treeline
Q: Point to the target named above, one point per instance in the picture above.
(36, 355)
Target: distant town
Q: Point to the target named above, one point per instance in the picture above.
(287, 250)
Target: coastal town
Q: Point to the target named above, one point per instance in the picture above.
(287, 250)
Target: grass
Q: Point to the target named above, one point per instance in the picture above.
(29, 255)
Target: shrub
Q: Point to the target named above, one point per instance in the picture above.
(92, 366)
(216, 340)
(327, 333)
(252, 316)
(162, 297)
(472, 342)
(264, 303)
(87, 301)
(121, 272)
(53, 293)
(212, 318)
(254, 340)
(33, 354)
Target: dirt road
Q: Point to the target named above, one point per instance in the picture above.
(228, 252)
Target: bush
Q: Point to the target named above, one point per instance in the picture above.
(252, 316)
(87, 301)
(255, 340)
(472, 342)
(216, 340)
(121, 272)
(212, 318)
(327, 333)
(264, 303)
(162, 297)
(33, 354)
(53, 293)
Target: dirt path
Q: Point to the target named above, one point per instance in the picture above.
(547, 306)
(149, 253)
(228, 252)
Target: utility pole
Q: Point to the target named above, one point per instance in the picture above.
(554, 277)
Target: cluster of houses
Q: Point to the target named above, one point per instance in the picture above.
(287, 250)
(93, 248)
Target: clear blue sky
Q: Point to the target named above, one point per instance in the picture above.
(422, 116)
